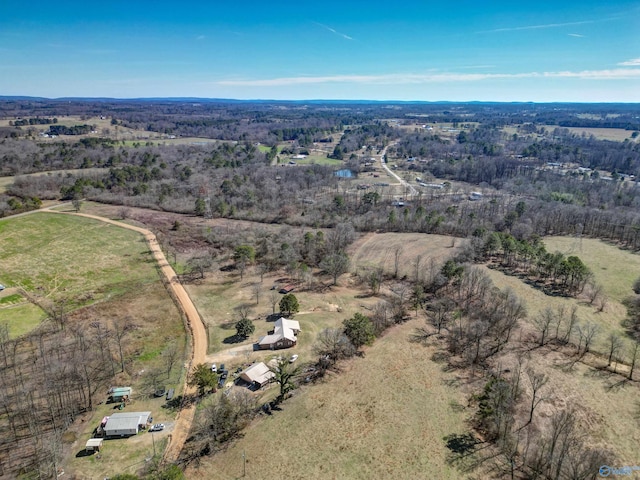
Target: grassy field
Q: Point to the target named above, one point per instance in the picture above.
(615, 134)
(217, 297)
(319, 160)
(384, 416)
(81, 259)
(4, 183)
(613, 268)
(21, 318)
(378, 250)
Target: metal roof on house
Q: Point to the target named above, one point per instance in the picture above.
(258, 372)
(126, 421)
(283, 328)
(94, 442)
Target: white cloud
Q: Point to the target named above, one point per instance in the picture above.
(326, 27)
(634, 62)
(575, 35)
(411, 78)
(537, 27)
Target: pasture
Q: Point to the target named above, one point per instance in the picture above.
(614, 134)
(378, 250)
(318, 160)
(383, 416)
(81, 259)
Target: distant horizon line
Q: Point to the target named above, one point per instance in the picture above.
(309, 100)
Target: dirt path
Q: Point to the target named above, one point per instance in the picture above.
(195, 325)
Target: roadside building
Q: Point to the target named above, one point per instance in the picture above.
(257, 374)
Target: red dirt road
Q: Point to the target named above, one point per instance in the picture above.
(194, 323)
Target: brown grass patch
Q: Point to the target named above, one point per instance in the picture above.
(384, 416)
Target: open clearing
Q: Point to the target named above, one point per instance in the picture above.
(615, 134)
(613, 268)
(378, 250)
(83, 260)
(384, 416)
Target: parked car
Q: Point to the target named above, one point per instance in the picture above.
(1, 287)
(293, 358)
(214, 368)
(157, 427)
(222, 369)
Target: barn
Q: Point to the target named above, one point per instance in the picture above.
(126, 424)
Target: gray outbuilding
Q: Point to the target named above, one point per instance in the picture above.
(126, 424)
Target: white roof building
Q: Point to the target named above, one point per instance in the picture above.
(126, 423)
(283, 336)
(258, 373)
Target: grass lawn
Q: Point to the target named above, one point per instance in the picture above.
(5, 182)
(217, 297)
(81, 259)
(384, 416)
(319, 160)
(21, 318)
(266, 148)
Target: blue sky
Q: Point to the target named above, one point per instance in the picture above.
(587, 51)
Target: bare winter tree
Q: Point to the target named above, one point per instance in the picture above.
(170, 356)
(594, 292)
(543, 323)
(537, 381)
(333, 343)
(257, 291)
(274, 298)
(417, 269)
(397, 255)
(121, 328)
(635, 350)
(439, 313)
(615, 345)
(588, 332)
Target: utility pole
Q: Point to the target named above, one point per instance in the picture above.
(153, 439)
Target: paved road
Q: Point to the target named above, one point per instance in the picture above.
(195, 326)
(412, 190)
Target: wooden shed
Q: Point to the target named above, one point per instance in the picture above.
(93, 445)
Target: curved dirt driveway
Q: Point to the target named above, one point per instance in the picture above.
(194, 322)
